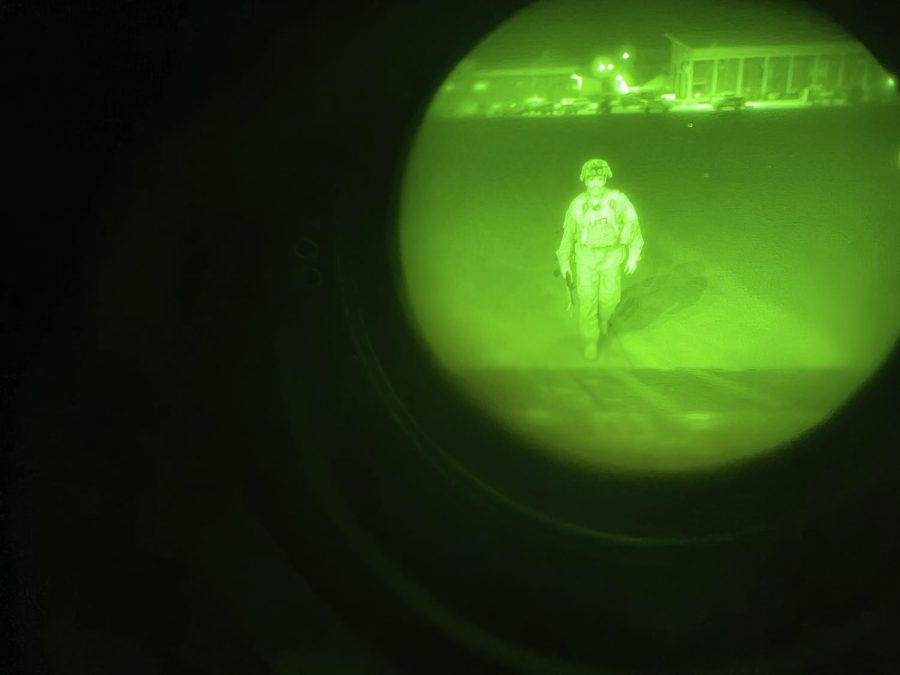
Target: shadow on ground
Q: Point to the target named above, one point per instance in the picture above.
(666, 292)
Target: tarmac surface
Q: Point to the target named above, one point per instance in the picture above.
(661, 420)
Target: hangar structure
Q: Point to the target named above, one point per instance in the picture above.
(762, 69)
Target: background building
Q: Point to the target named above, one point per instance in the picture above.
(477, 89)
(758, 71)
(520, 84)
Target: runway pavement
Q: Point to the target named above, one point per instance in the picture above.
(654, 419)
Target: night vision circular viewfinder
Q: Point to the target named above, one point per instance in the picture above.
(675, 320)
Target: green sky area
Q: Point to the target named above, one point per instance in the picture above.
(771, 246)
(575, 30)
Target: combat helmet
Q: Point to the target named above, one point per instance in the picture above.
(595, 167)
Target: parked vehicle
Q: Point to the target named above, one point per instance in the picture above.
(575, 106)
(632, 100)
(656, 104)
(565, 107)
(729, 102)
(537, 107)
(515, 109)
(496, 110)
(648, 101)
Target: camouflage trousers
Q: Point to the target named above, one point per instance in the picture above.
(598, 284)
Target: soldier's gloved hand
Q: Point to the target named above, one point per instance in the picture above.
(630, 266)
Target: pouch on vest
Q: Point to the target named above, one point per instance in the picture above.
(599, 226)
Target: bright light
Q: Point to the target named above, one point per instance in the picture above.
(625, 55)
(480, 86)
(601, 67)
(619, 78)
(610, 66)
(668, 97)
(890, 81)
(623, 87)
(578, 79)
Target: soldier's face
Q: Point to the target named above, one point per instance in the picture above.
(595, 183)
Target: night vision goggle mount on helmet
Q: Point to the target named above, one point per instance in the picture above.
(595, 167)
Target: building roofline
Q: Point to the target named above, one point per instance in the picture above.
(819, 41)
(676, 40)
(845, 46)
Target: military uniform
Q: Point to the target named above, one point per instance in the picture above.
(600, 234)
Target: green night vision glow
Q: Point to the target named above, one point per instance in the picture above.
(656, 289)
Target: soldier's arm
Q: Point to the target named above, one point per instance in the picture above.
(564, 252)
(631, 235)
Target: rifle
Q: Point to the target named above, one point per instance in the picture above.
(570, 288)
